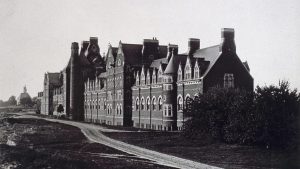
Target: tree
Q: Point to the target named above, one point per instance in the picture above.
(12, 101)
(26, 101)
(276, 115)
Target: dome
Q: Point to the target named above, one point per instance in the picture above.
(24, 97)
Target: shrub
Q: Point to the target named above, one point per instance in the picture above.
(269, 116)
(276, 115)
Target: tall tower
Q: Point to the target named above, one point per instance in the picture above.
(76, 84)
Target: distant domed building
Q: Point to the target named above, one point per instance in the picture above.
(24, 98)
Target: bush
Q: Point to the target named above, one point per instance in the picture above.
(265, 117)
(219, 113)
(276, 115)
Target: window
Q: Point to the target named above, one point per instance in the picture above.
(148, 78)
(142, 79)
(159, 103)
(137, 80)
(196, 72)
(120, 109)
(188, 72)
(228, 80)
(169, 110)
(165, 110)
(160, 78)
(153, 77)
(179, 75)
(117, 109)
(148, 103)
(180, 103)
(119, 63)
(153, 103)
(137, 103)
(142, 103)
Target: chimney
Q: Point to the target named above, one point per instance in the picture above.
(74, 48)
(94, 40)
(150, 49)
(172, 48)
(193, 45)
(84, 45)
(227, 44)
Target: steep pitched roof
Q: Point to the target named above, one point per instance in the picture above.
(210, 54)
(156, 63)
(246, 65)
(174, 63)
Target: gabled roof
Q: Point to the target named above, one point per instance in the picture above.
(246, 65)
(210, 54)
(174, 63)
(156, 63)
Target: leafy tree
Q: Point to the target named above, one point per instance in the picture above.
(26, 101)
(276, 115)
(12, 101)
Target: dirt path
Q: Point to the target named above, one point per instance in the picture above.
(93, 134)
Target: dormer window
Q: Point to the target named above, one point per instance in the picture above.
(148, 78)
(160, 78)
(153, 77)
(137, 80)
(179, 78)
(188, 72)
(119, 63)
(142, 79)
(196, 72)
(228, 80)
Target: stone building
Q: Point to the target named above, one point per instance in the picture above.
(142, 85)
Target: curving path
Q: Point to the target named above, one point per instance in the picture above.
(92, 133)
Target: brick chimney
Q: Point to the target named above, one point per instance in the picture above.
(193, 45)
(227, 43)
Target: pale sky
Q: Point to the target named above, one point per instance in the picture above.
(36, 35)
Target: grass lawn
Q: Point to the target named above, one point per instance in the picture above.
(214, 153)
(36, 143)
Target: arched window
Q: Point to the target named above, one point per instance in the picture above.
(137, 103)
(117, 109)
(142, 103)
(120, 109)
(148, 103)
(179, 103)
(159, 103)
(153, 103)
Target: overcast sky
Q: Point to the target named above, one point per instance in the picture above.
(35, 35)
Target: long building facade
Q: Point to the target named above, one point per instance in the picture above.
(144, 85)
